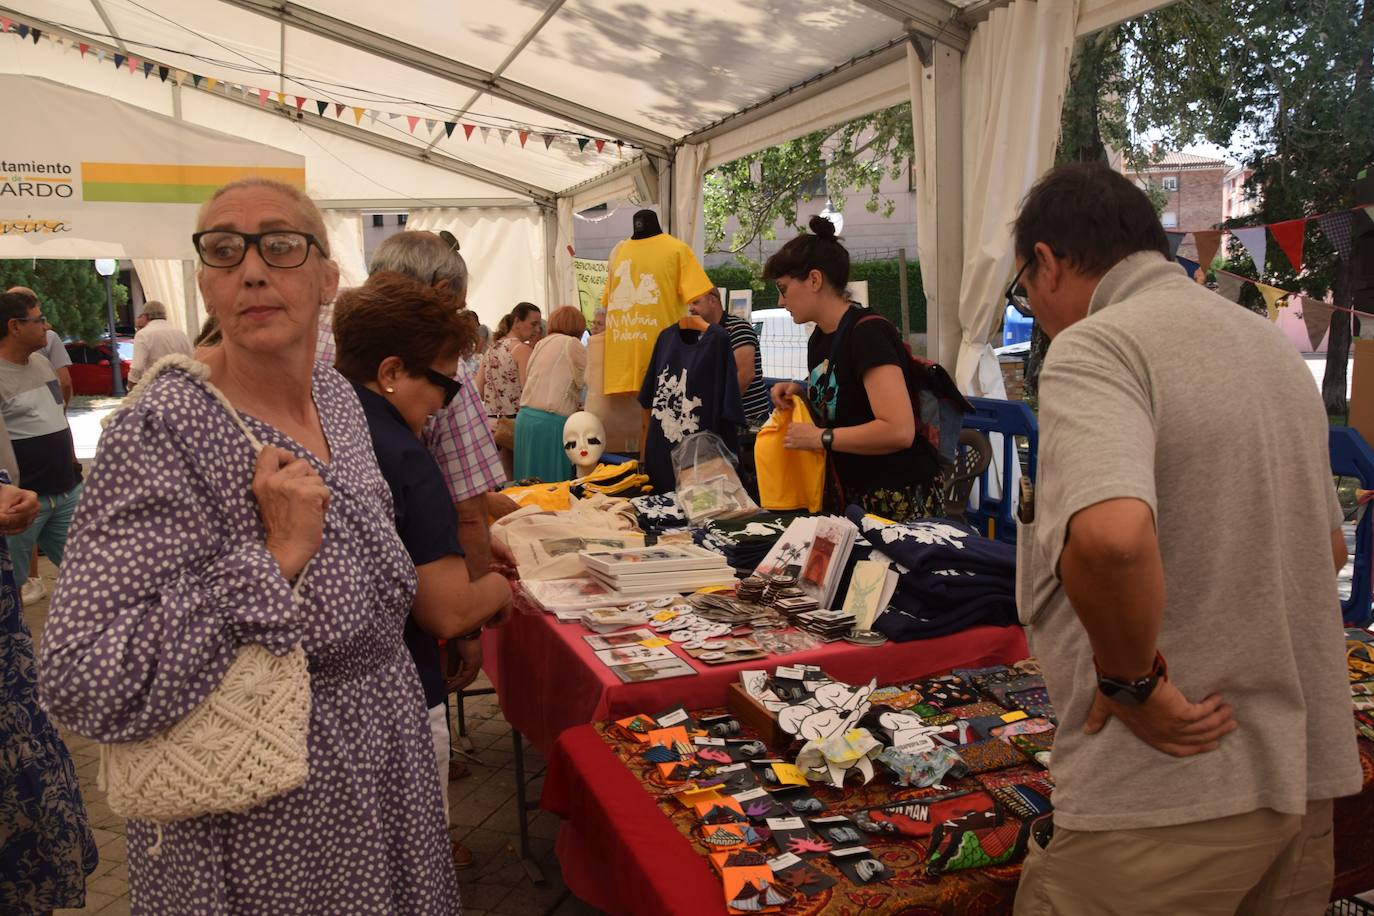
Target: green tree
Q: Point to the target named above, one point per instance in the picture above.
(1286, 85)
(72, 293)
(763, 188)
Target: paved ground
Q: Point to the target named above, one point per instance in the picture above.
(483, 816)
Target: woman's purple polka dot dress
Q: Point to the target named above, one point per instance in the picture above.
(166, 575)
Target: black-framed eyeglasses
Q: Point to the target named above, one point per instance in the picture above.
(450, 386)
(1017, 297)
(225, 248)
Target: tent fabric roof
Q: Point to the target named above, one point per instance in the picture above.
(643, 73)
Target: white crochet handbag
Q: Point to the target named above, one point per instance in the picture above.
(244, 744)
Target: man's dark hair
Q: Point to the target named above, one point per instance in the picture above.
(13, 305)
(1091, 216)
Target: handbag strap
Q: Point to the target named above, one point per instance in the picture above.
(201, 373)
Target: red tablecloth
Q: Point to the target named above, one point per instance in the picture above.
(548, 679)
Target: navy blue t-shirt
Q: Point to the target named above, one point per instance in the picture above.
(424, 518)
(690, 387)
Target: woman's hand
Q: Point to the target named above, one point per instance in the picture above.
(18, 509)
(782, 394)
(803, 437)
(292, 501)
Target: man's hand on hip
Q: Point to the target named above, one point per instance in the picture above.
(1167, 721)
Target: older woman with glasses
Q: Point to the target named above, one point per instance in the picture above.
(399, 342)
(190, 543)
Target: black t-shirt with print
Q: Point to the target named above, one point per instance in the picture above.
(837, 388)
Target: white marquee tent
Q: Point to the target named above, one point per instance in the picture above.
(553, 106)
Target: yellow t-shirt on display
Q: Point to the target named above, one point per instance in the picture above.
(649, 283)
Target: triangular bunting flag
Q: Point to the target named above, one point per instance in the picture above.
(179, 76)
(1317, 316)
(100, 55)
(1207, 241)
(147, 69)
(467, 131)
(300, 102)
(83, 48)
(548, 140)
(600, 145)
(486, 132)
(449, 127)
(392, 115)
(6, 23)
(163, 73)
(1229, 285)
(281, 99)
(372, 117)
(23, 30)
(619, 150)
(1272, 295)
(321, 106)
(1339, 229)
(582, 143)
(262, 100)
(338, 109)
(1175, 240)
(412, 120)
(34, 35)
(210, 83)
(195, 80)
(358, 116)
(524, 135)
(1255, 243)
(132, 63)
(119, 62)
(1290, 236)
(430, 124)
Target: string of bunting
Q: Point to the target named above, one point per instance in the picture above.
(1338, 227)
(305, 105)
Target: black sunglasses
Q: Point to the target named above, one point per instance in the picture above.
(450, 386)
(1017, 297)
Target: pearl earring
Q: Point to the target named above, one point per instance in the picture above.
(390, 390)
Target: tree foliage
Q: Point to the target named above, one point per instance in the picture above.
(763, 188)
(72, 294)
(1286, 85)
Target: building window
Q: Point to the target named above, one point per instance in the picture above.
(814, 187)
(1169, 219)
(401, 219)
(1171, 183)
(377, 219)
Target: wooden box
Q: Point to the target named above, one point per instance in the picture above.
(754, 716)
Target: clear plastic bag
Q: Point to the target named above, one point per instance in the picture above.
(708, 486)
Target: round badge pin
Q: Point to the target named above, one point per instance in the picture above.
(683, 636)
(715, 644)
(712, 656)
(637, 606)
(663, 602)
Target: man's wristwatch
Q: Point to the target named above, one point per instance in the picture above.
(1133, 693)
(827, 438)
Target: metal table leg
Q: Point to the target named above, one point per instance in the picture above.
(524, 807)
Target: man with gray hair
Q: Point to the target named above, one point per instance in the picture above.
(158, 338)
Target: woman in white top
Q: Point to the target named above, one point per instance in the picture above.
(552, 392)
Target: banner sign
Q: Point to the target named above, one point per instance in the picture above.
(108, 179)
(590, 278)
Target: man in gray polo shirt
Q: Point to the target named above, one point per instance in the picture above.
(1185, 512)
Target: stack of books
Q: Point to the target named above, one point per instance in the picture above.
(658, 570)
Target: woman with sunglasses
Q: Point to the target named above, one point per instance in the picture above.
(399, 342)
(190, 542)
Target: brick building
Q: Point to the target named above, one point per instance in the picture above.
(1234, 203)
(1194, 188)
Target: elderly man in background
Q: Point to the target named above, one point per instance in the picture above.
(158, 338)
(55, 350)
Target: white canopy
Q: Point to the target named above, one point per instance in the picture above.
(425, 103)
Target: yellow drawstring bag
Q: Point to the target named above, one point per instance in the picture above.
(788, 478)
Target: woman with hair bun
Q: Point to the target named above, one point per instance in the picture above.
(860, 385)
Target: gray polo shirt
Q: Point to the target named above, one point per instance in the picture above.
(1204, 411)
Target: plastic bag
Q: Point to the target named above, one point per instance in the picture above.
(708, 486)
(788, 478)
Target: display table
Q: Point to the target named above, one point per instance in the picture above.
(548, 679)
(623, 851)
